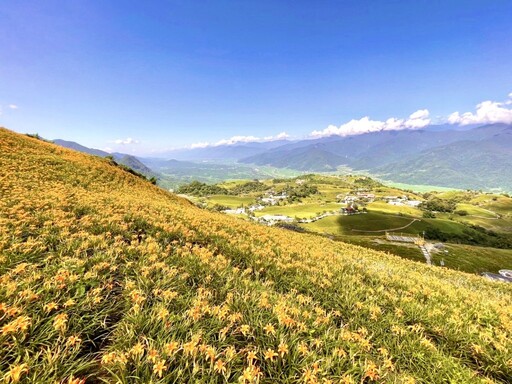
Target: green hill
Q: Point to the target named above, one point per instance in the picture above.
(107, 278)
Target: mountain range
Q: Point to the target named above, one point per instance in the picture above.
(471, 158)
(478, 158)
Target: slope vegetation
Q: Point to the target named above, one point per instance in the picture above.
(107, 278)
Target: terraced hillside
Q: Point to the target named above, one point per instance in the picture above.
(107, 278)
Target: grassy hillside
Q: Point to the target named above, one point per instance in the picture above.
(107, 278)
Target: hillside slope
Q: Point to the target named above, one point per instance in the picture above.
(107, 278)
(122, 158)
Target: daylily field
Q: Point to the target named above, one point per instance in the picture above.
(107, 278)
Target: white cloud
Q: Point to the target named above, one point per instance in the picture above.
(203, 144)
(236, 139)
(126, 141)
(279, 136)
(10, 106)
(240, 139)
(487, 112)
(418, 119)
(420, 114)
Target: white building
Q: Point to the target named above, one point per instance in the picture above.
(238, 211)
(272, 219)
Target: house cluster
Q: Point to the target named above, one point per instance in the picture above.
(359, 196)
(401, 201)
(238, 211)
(366, 196)
(243, 211)
(272, 199)
(273, 219)
(350, 209)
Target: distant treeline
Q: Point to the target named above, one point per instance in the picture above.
(197, 188)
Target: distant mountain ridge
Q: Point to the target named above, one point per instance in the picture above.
(476, 158)
(467, 158)
(122, 158)
(225, 152)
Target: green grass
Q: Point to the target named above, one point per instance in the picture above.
(472, 259)
(417, 188)
(299, 210)
(230, 201)
(376, 223)
(475, 210)
(359, 224)
(382, 206)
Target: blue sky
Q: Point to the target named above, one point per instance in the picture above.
(171, 73)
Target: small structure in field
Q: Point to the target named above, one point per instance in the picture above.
(272, 219)
(238, 211)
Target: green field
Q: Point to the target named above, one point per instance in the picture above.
(230, 201)
(417, 188)
(378, 223)
(303, 211)
(382, 206)
(472, 259)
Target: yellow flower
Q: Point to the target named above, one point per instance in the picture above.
(137, 350)
(303, 349)
(59, 323)
(282, 349)
(220, 367)
(159, 368)
(163, 314)
(15, 372)
(73, 340)
(230, 352)
(171, 348)
(50, 306)
(152, 355)
(69, 303)
(371, 371)
(339, 352)
(189, 348)
(245, 329)
(73, 380)
(269, 329)
(251, 356)
(210, 353)
(108, 358)
(270, 354)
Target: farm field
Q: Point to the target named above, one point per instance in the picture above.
(302, 210)
(379, 222)
(230, 201)
(108, 278)
(417, 188)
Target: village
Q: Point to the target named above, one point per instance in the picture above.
(349, 204)
(366, 212)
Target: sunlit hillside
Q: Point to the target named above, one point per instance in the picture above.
(107, 278)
